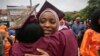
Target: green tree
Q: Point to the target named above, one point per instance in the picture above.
(92, 5)
(68, 16)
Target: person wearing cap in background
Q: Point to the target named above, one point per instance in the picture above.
(52, 43)
(91, 41)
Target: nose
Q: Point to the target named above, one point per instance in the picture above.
(47, 24)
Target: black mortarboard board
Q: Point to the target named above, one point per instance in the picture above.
(49, 5)
(25, 19)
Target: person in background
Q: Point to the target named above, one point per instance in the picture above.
(62, 24)
(1, 46)
(78, 28)
(12, 34)
(11, 31)
(67, 23)
(91, 41)
(2, 30)
(5, 37)
(88, 23)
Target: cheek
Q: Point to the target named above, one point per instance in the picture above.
(41, 25)
(54, 27)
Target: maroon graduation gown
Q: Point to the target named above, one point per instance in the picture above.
(62, 43)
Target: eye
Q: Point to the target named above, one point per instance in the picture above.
(52, 21)
(42, 20)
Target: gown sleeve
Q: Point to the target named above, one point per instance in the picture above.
(70, 43)
(63, 43)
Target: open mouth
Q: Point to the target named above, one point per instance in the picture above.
(47, 32)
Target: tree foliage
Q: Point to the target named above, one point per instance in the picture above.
(92, 5)
(68, 16)
(86, 12)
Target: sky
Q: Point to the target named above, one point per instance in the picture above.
(63, 5)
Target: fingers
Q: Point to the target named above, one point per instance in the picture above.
(41, 51)
(32, 55)
(28, 55)
(44, 53)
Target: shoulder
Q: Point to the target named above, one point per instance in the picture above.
(60, 33)
(67, 32)
(64, 35)
(14, 47)
(89, 31)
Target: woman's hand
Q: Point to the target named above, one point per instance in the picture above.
(43, 53)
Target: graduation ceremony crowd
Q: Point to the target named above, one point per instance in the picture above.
(49, 34)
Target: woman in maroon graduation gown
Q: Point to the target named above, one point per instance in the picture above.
(54, 42)
(62, 43)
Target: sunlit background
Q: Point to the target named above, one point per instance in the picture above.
(64, 5)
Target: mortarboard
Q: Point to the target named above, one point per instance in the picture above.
(25, 19)
(49, 5)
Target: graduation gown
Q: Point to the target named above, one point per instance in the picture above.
(90, 43)
(62, 43)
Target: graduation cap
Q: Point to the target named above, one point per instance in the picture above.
(49, 5)
(25, 18)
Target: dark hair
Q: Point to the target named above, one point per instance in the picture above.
(29, 33)
(94, 20)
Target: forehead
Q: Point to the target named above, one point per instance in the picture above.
(48, 14)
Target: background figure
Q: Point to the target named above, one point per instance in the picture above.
(78, 28)
(62, 24)
(12, 34)
(1, 46)
(91, 41)
(5, 37)
(87, 23)
(11, 31)
(2, 29)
